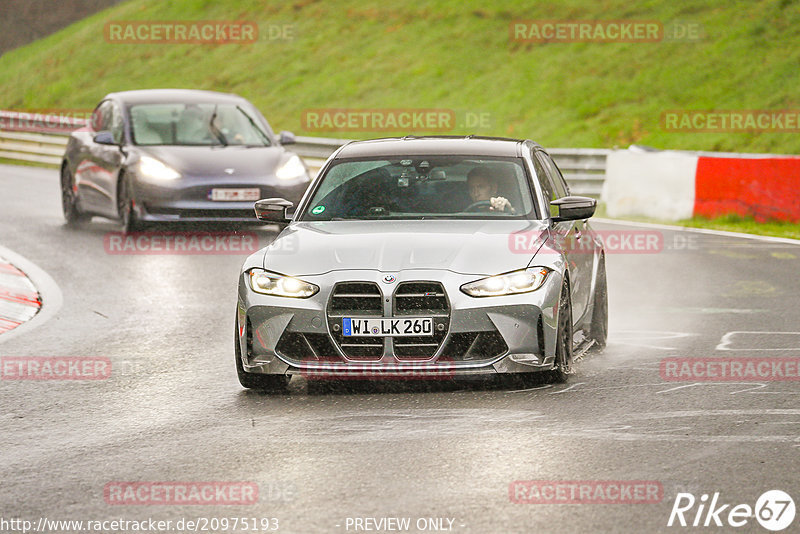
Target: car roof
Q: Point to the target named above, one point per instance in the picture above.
(433, 145)
(161, 96)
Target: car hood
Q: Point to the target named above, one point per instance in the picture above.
(213, 161)
(470, 247)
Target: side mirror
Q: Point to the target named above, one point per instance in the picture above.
(287, 138)
(104, 138)
(573, 208)
(272, 210)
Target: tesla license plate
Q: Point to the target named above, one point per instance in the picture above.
(407, 326)
(231, 195)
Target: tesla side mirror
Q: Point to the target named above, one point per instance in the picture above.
(287, 138)
(573, 208)
(104, 138)
(272, 210)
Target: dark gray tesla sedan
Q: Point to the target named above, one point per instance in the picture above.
(176, 155)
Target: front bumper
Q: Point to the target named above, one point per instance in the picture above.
(479, 336)
(189, 199)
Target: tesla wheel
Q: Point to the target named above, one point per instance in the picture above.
(127, 214)
(69, 200)
(563, 362)
(598, 330)
(269, 383)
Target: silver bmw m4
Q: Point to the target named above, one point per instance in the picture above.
(424, 257)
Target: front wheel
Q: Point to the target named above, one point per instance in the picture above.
(125, 206)
(563, 362)
(268, 383)
(69, 199)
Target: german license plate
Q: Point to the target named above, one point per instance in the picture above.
(232, 195)
(396, 327)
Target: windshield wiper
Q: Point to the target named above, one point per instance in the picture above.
(263, 136)
(216, 131)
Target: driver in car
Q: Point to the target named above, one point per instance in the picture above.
(483, 188)
(193, 126)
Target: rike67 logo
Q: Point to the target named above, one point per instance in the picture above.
(774, 510)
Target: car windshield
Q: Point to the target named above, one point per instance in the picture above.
(195, 125)
(417, 187)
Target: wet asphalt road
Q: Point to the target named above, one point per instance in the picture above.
(172, 409)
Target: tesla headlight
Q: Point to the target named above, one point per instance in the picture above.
(293, 168)
(152, 168)
(280, 286)
(523, 281)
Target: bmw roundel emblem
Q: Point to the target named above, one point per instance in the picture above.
(389, 278)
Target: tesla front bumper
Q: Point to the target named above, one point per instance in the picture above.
(189, 199)
(471, 336)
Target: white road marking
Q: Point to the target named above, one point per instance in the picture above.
(633, 336)
(647, 432)
(567, 389)
(679, 387)
(770, 239)
(710, 310)
(727, 342)
(543, 386)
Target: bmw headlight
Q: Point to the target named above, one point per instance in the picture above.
(522, 281)
(293, 168)
(278, 285)
(156, 170)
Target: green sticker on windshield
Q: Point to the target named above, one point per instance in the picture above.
(317, 210)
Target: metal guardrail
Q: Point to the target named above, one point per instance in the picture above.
(35, 137)
(45, 137)
(583, 168)
(31, 147)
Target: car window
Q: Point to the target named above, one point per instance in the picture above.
(115, 123)
(205, 124)
(548, 188)
(561, 187)
(101, 117)
(415, 187)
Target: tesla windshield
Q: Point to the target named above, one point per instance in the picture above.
(194, 124)
(416, 187)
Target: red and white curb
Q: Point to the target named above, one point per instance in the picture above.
(19, 299)
(673, 185)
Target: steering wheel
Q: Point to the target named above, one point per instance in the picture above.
(481, 205)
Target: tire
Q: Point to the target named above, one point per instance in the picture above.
(598, 331)
(69, 201)
(563, 361)
(127, 215)
(268, 383)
